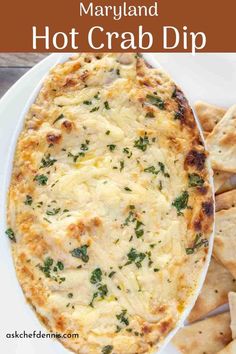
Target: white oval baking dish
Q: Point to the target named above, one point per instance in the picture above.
(6, 175)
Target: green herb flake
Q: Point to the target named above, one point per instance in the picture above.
(110, 275)
(11, 235)
(128, 189)
(197, 244)
(111, 147)
(106, 105)
(47, 161)
(142, 143)
(138, 231)
(108, 132)
(135, 257)
(41, 179)
(151, 169)
(53, 211)
(101, 293)
(122, 317)
(84, 146)
(162, 169)
(28, 200)
(95, 109)
(70, 295)
(122, 164)
(195, 180)
(81, 252)
(87, 102)
(61, 116)
(60, 265)
(96, 276)
(46, 267)
(127, 151)
(75, 157)
(107, 349)
(156, 101)
(181, 202)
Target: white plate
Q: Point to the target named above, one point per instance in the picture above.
(206, 76)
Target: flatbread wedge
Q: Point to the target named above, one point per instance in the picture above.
(221, 143)
(226, 200)
(230, 349)
(207, 336)
(208, 115)
(228, 184)
(232, 306)
(225, 239)
(214, 292)
(220, 179)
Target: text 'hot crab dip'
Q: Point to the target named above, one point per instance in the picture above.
(110, 207)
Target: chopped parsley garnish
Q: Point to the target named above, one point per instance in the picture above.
(11, 235)
(118, 72)
(97, 96)
(195, 180)
(81, 252)
(111, 147)
(84, 146)
(60, 265)
(135, 257)
(88, 103)
(155, 171)
(70, 295)
(156, 101)
(75, 157)
(142, 143)
(106, 105)
(107, 349)
(28, 200)
(152, 169)
(122, 164)
(181, 202)
(162, 169)
(96, 276)
(123, 318)
(61, 116)
(101, 293)
(110, 275)
(128, 152)
(130, 218)
(41, 179)
(197, 244)
(46, 267)
(47, 161)
(138, 231)
(53, 212)
(108, 132)
(95, 109)
(128, 189)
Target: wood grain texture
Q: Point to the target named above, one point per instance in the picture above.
(8, 76)
(20, 59)
(14, 65)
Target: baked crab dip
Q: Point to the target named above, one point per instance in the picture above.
(110, 206)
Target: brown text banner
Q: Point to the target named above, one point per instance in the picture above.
(114, 25)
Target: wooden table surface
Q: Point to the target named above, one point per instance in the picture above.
(14, 65)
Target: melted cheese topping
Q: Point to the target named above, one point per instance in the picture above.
(110, 204)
